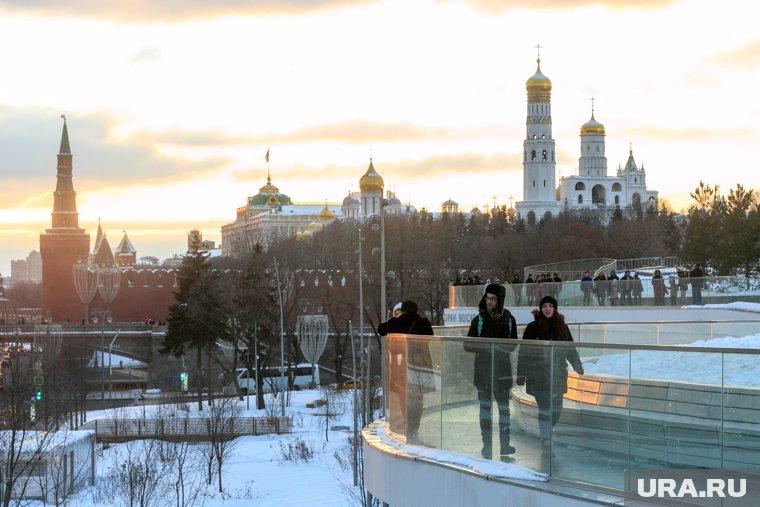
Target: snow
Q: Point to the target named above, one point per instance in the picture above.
(705, 368)
(257, 472)
(483, 466)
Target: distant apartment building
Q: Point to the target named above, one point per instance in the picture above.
(27, 270)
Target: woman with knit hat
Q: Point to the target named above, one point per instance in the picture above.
(543, 370)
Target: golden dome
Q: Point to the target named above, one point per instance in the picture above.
(314, 226)
(326, 214)
(592, 127)
(371, 181)
(538, 82)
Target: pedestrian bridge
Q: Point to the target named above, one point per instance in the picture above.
(640, 404)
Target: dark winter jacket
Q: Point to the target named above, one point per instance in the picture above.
(496, 354)
(538, 364)
(407, 323)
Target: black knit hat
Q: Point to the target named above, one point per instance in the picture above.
(494, 288)
(548, 299)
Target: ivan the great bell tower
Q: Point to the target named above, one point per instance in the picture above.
(63, 245)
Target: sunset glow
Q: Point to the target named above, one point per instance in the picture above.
(171, 107)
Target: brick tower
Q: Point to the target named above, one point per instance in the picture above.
(63, 245)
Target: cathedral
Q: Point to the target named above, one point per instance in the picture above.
(591, 188)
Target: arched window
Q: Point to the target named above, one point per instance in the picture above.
(617, 199)
(543, 136)
(580, 186)
(548, 215)
(580, 199)
(544, 183)
(533, 154)
(543, 155)
(616, 187)
(636, 201)
(534, 183)
(534, 136)
(531, 218)
(598, 194)
(635, 180)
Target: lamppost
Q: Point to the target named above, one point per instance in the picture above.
(282, 342)
(110, 368)
(100, 315)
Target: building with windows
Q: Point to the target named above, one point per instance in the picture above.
(271, 215)
(591, 188)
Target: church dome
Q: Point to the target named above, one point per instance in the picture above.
(538, 82)
(314, 226)
(326, 214)
(394, 201)
(371, 181)
(269, 195)
(592, 127)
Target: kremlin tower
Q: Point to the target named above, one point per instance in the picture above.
(63, 245)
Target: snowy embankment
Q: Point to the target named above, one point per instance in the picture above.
(702, 367)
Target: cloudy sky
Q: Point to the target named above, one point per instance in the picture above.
(171, 105)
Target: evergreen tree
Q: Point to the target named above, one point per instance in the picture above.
(195, 320)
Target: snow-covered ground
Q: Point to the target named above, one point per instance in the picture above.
(259, 471)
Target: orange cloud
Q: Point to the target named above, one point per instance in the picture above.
(166, 10)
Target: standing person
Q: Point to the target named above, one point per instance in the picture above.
(613, 288)
(697, 276)
(658, 287)
(529, 289)
(493, 368)
(683, 285)
(600, 286)
(586, 285)
(408, 360)
(638, 288)
(626, 287)
(543, 370)
(557, 285)
(517, 288)
(673, 287)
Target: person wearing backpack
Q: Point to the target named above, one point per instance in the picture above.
(493, 368)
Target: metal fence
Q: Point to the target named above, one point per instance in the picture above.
(185, 428)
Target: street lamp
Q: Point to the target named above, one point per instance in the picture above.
(110, 368)
(101, 315)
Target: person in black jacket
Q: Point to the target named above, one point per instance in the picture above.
(410, 362)
(493, 369)
(543, 370)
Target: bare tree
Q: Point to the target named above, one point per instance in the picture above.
(221, 442)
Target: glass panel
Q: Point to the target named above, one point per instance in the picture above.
(397, 400)
(459, 408)
(424, 392)
(741, 411)
(594, 425)
(675, 409)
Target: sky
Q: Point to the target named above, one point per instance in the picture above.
(171, 106)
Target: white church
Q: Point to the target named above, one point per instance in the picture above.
(591, 188)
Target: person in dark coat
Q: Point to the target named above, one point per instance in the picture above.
(517, 289)
(587, 283)
(493, 321)
(543, 370)
(697, 276)
(600, 287)
(658, 288)
(409, 361)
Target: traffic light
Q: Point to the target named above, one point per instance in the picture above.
(38, 395)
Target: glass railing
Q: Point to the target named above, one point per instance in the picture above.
(634, 406)
(663, 292)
